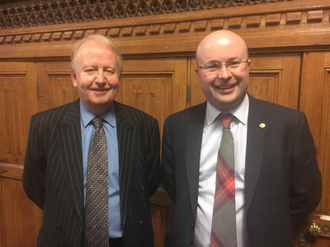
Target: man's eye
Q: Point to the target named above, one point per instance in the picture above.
(110, 72)
(234, 64)
(212, 66)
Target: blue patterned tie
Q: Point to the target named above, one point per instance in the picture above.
(96, 208)
(224, 214)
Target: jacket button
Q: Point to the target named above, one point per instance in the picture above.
(54, 190)
(58, 227)
(140, 222)
(192, 224)
(142, 188)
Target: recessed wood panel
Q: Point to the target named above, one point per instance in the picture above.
(18, 94)
(150, 93)
(55, 84)
(315, 102)
(264, 85)
(155, 86)
(22, 218)
(286, 68)
(12, 88)
(63, 91)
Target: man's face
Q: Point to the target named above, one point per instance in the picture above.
(96, 76)
(224, 90)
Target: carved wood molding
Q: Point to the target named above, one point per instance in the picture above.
(72, 11)
(260, 21)
(286, 26)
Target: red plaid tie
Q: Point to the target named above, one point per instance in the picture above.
(96, 209)
(224, 212)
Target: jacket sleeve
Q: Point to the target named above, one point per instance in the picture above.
(168, 171)
(305, 177)
(34, 166)
(153, 159)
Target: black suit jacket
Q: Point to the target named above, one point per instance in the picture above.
(282, 180)
(53, 174)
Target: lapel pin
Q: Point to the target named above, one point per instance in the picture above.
(262, 125)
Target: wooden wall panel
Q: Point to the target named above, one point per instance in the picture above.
(276, 78)
(55, 85)
(156, 86)
(151, 93)
(18, 94)
(315, 102)
(62, 89)
(20, 219)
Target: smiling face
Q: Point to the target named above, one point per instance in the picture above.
(223, 89)
(96, 76)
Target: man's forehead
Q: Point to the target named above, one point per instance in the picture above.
(222, 46)
(218, 42)
(92, 45)
(223, 41)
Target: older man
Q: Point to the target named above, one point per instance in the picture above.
(242, 172)
(92, 164)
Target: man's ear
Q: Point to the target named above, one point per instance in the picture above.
(74, 78)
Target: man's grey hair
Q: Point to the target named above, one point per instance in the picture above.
(102, 39)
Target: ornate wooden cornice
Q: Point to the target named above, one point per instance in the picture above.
(282, 26)
(139, 28)
(72, 11)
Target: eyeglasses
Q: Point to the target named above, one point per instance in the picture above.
(231, 66)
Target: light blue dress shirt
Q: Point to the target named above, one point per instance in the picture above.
(87, 130)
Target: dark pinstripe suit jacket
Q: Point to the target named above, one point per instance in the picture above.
(53, 180)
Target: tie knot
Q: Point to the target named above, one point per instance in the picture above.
(225, 119)
(97, 121)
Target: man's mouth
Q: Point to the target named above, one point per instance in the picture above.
(226, 87)
(100, 90)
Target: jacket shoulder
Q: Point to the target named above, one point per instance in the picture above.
(195, 112)
(272, 108)
(55, 115)
(136, 115)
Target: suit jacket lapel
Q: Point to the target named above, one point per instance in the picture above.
(255, 148)
(194, 143)
(69, 134)
(126, 134)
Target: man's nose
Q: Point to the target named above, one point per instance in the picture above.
(223, 72)
(100, 77)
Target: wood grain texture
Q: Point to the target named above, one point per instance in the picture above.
(285, 25)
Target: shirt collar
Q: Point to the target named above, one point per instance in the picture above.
(87, 115)
(240, 113)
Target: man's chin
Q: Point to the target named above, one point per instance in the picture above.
(101, 102)
(226, 103)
